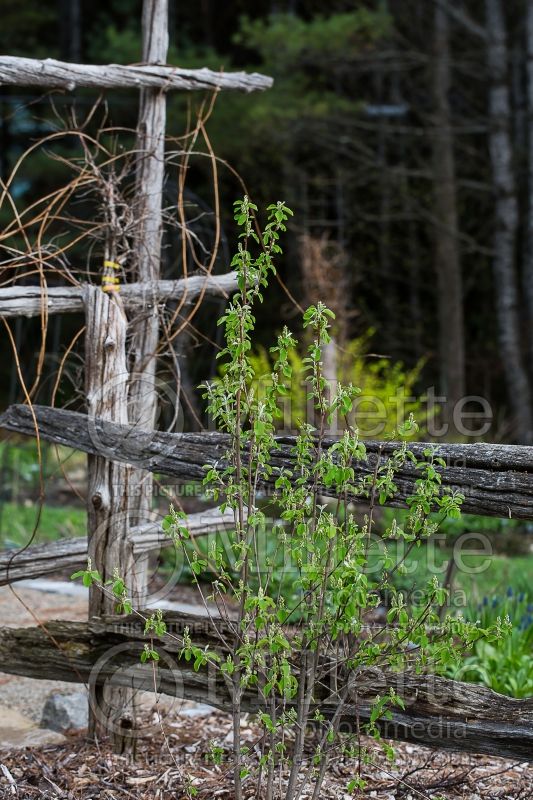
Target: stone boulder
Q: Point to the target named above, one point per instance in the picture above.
(65, 712)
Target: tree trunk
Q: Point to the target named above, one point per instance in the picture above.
(70, 12)
(330, 373)
(447, 259)
(528, 262)
(390, 299)
(506, 225)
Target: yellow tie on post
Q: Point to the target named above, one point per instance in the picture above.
(110, 280)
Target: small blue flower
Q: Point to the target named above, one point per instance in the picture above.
(510, 591)
(485, 601)
(495, 602)
(525, 621)
(521, 597)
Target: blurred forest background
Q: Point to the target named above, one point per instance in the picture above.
(400, 133)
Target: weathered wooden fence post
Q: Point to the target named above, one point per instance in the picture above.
(107, 397)
(109, 547)
(150, 172)
(120, 497)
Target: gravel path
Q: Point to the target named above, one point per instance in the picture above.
(21, 606)
(27, 605)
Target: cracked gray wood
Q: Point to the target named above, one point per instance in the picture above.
(108, 484)
(144, 324)
(438, 712)
(71, 554)
(497, 480)
(51, 74)
(28, 301)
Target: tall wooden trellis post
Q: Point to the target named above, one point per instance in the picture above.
(129, 397)
(119, 496)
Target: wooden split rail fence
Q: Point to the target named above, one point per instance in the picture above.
(497, 480)
(124, 451)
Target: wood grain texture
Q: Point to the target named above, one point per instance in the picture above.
(43, 559)
(148, 210)
(71, 554)
(28, 301)
(438, 712)
(51, 74)
(108, 513)
(497, 480)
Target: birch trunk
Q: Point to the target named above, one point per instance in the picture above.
(506, 225)
(447, 260)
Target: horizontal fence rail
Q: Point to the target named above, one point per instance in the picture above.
(45, 559)
(496, 480)
(51, 74)
(30, 301)
(438, 712)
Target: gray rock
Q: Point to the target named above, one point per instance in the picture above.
(64, 712)
(197, 710)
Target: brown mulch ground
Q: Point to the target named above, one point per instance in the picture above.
(79, 770)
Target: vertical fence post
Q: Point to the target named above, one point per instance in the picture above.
(119, 496)
(107, 507)
(150, 170)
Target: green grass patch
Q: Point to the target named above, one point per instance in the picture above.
(17, 522)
